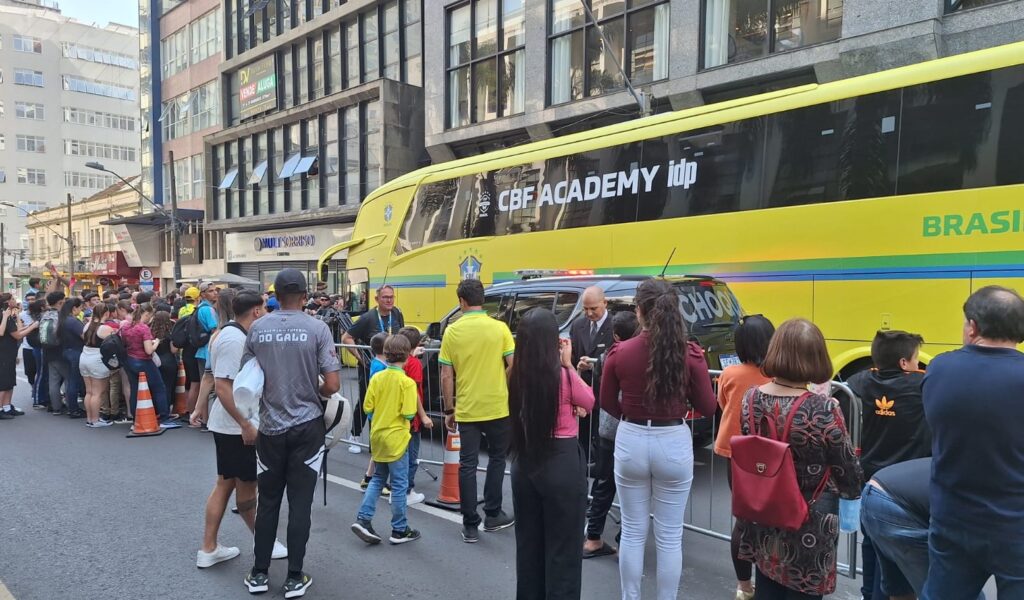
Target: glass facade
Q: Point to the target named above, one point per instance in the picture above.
(328, 160)
(486, 71)
(588, 59)
(739, 30)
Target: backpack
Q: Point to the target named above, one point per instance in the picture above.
(179, 333)
(197, 335)
(765, 489)
(112, 351)
(48, 329)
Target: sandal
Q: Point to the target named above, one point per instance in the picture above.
(604, 550)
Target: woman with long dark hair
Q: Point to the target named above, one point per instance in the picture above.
(549, 471)
(69, 332)
(11, 335)
(40, 396)
(660, 376)
(95, 374)
(752, 338)
(140, 346)
(161, 326)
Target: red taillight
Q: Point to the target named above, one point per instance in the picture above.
(707, 284)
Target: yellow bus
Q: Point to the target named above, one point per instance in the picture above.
(870, 203)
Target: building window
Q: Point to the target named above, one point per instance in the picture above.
(96, 55)
(97, 150)
(391, 39)
(28, 77)
(486, 61)
(413, 42)
(739, 30)
(206, 36)
(25, 43)
(29, 110)
(175, 116)
(198, 176)
(955, 5)
(175, 51)
(206, 106)
(96, 88)
(90, 181)
(589, 60)
(94, 118)
(3, 142)
(352, 68)
(31, 176)
(370, 46)
(317, 66)
(351, 155)
(31, 143)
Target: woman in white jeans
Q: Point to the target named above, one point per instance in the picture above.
(660, 376)
(94, 373)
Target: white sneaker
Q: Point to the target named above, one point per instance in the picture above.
(280, 550)
(353, 449)
(101, 423)
(219, 555)
(414, 498)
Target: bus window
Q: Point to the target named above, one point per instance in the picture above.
(525, 302)
(356, 289)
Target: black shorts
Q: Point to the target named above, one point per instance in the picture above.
(235, 460)
(192, 373)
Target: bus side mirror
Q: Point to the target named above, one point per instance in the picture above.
(434, 331)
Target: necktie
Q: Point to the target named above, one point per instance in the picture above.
(593, 331)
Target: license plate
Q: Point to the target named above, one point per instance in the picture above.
(728, 360)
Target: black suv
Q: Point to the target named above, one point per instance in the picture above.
(709, 308)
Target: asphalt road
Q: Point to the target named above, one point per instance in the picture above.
(89, 514)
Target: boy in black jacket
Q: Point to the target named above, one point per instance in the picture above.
(894, 428)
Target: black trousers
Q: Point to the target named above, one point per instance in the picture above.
(359, 418)
(28, 358)
(767, 589)
(288, 462)
(497, 433)
(603, 489)
(550, 499)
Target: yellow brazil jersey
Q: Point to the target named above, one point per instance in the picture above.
(476, 346)
(391, 403)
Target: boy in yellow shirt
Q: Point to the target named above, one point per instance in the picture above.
(390, 404)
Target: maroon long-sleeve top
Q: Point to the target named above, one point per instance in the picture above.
(625, 370)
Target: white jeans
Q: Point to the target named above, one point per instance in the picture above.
(653, 472)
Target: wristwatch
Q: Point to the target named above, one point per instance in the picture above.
(449, 412)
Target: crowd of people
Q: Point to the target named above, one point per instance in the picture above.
(932, 482)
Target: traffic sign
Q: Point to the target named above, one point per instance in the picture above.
(146, 286)
(146, 275)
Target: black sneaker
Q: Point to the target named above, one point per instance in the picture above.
(5, 416)
(257, 583)
(14, 411)
(498, 522)
(364, 531)
(296, 587)
(77, 415)
(57, 413)
(470, 534)
(404, 537)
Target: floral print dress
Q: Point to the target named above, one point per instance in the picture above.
(804, 560)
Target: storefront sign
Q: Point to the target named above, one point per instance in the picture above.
(191, 248)
(287, 244)
(257, 87)
(110, 265)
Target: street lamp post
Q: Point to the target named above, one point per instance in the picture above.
(173, 215)
(69, 240)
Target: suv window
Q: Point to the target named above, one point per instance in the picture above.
(494, 305)
(565, 305)
(707, 304)
(527, 301)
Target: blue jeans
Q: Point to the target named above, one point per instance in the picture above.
(399, 471)
(75, 386)
(155, 382)
(963, 559)
(899, 542)
(414, 455)
(40, 397)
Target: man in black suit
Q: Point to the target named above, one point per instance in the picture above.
(591, 336)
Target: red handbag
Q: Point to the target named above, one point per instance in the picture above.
(764, 484)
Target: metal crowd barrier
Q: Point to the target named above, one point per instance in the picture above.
(714, 520)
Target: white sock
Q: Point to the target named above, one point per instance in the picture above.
(7, 408)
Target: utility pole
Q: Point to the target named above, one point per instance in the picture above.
(71, 252)
(174, 222)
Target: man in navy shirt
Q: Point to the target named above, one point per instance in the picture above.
(974, 403)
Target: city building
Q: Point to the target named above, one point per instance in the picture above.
(181, 46)
(68, 96)
(482, 85)
(323, 103)
(101, 257)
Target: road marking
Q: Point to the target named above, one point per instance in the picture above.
(5, 594)
(430, 510)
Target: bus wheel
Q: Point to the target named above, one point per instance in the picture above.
(862, 364)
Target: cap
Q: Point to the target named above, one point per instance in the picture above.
(205, 285)
(290, 281)
(270, 290)
(183, 288)
(273, 304)
(192, 292)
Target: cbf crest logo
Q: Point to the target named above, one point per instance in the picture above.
(389, 211)
(469, 268)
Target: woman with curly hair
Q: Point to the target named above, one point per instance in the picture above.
(660, 376)
(161, 326)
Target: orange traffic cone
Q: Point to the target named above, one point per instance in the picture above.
(145, 415)
(449, 496)
(180, 394)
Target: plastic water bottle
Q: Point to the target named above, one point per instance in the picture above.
(849, 515)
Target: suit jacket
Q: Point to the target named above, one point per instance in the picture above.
(582, 345)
